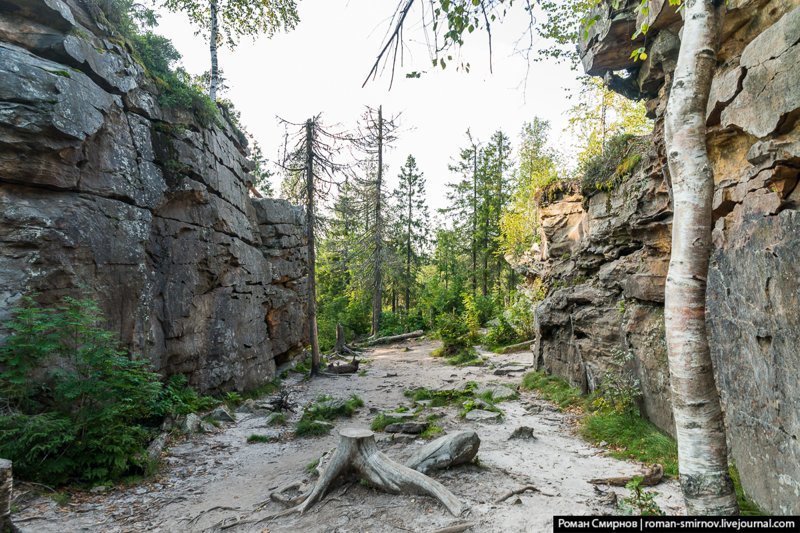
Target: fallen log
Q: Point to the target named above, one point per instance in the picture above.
(393, 338)
(515, 347)
(444, 452)
(358, 452)
(652, 476)
(349, 368)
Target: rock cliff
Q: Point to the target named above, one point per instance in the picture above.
(604, 256)
(106, 193)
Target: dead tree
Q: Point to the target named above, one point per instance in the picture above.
(357, 452)
(318, 149)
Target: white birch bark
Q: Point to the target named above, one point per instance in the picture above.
(213, 38)
(700, 430)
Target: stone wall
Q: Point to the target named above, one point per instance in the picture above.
(605, 256)
(105, 193)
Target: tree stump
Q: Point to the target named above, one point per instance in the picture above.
(358, 452)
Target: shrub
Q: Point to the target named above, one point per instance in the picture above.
(502, 333)
(391, 324)
(178, 398)
(75, 401)
(640, 502)
(454, 333)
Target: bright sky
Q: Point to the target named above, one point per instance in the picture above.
(320, 66)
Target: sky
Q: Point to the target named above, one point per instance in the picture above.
(320, 65)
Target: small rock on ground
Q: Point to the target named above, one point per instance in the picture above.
(479, 415)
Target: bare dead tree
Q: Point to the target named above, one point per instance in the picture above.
(374, 133)
(314, 156)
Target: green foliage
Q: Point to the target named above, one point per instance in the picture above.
(178, 398)
(277, 419)
(553, 388)
(75, 401)
(640, 502)
(325, 409)
(455, 334)
(176, 87)
(440, 398)
(259, 439)
(240, 18)
(501, 334)
(431, 432)
(629, 436)
(380, 422)
(617, 162)
(619, 389)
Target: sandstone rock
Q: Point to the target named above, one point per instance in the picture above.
(222, 414)
(498, 393)
(191, 423)
(412, 428)
(102, 188)
(479, 415)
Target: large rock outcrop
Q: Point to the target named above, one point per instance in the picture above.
(604, 256)
(108, 194)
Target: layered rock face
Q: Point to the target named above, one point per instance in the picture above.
(605, 257)
(107, 194)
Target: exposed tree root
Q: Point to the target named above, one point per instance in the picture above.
(358, 452)
(651, 477)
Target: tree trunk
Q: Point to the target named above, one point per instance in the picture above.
(213, 38)
(408, 254)
(6, 486)
(474, 219)
(377, 294)
(699, 425)
(312, 255)
(393, 338)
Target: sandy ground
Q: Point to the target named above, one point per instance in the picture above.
(218, 482)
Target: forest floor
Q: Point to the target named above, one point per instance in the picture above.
(218, 482)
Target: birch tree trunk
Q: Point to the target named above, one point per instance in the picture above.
(700, 430)
(213, 38)
(312, 254)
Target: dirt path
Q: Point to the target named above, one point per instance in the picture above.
(210, 481)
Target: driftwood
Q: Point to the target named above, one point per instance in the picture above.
(651, 477)
(393, 338)
(358, 452)
(450, 450)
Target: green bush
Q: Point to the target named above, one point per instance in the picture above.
(502, 334)
(454, 333)
(178, 398)
(176, 87)
(74, 401)
(391, 324)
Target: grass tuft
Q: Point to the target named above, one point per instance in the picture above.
(256, 439)
(553, 389)
(325, 409)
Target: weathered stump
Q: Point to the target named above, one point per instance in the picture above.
(358, 452)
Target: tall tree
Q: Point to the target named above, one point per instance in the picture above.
(315, 148)
(375, 133)
(699, 425)
(412, 219)
(227, 21)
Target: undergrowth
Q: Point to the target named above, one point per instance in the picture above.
(626, 433)
(325, 409)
